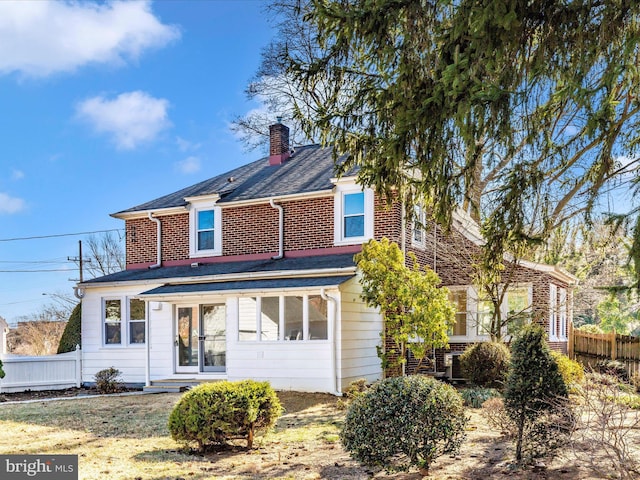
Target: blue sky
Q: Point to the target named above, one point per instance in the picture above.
(104, 106)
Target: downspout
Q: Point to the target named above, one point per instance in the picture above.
(280, 229)
(159, 246)
(147, 338)
(334, 331)
(78, 292)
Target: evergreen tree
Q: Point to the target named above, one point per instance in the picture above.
(534, 384)
(72, 331)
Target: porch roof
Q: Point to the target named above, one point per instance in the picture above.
(246, 285)
(314, 265)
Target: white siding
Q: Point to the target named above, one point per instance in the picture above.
(129, 359)
(360, 334)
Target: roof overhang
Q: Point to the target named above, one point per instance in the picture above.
(177, 291)
(157, 212)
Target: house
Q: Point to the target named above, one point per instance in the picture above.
(250, 274)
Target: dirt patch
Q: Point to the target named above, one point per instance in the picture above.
(46, 394)
(304, 445)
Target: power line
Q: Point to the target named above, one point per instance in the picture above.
(60, 235)
(40, 271)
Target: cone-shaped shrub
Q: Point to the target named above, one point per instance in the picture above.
(404, 421)
(72, 336)
(534, 384)
(213, 413)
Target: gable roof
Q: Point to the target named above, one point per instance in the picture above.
(309, 169)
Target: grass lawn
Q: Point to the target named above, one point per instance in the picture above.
(127, 437)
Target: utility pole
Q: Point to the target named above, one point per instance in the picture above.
(80, 260)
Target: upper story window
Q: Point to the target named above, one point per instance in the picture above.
(205, 229)
(418, 237)
(353, 215)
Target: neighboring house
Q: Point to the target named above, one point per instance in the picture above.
(250, 274)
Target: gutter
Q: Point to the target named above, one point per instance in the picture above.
(159, 244)
(278, 207)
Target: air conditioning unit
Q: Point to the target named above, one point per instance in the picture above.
(452, 365)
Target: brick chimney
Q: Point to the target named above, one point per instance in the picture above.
(278, 143)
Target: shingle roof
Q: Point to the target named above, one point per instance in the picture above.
(309, 169)
(225, 268)
(249, 285)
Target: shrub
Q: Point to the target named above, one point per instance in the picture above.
(614, 368)
(535, 391)
(590, 328)
(353, 391)
(211, 414)
(571, 371)
(475, 397)
(485, 364)
(72, 336)
(496, 416)
(404, 421)
(1, 370)
(108, 380)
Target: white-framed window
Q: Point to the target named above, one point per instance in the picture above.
(137, 320)
(474, 312)
(553, 312)
(353, 212)
(418, 237)
(205, 229)
(459, 297)
(562, 313)
(282, 318)
(112, 315)
(518, 308)
(124, 321)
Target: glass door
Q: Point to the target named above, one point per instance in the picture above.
(187, 342)
(213, 338)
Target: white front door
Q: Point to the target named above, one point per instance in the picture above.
(200, 338)
(187, 341)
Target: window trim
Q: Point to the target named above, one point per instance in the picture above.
(281, 319)
(195, 208)
(143, 321)
(338, 229)
(563, 310)
(104, 322)
(418, 223)
(473, 301)
(553, 312)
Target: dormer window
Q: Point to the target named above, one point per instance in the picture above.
(205, 229)
(353, 214)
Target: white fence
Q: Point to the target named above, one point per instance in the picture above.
(54, 372)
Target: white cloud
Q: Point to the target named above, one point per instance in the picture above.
(186, 145)
(39, 38)
(9, 205)
(17, 174)
(189, 165)
(131, 118)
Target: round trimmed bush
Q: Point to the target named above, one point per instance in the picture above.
(402, 422)
(211, 414)
(486, 364)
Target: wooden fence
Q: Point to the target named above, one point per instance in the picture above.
(53, 372)
(588, 348)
